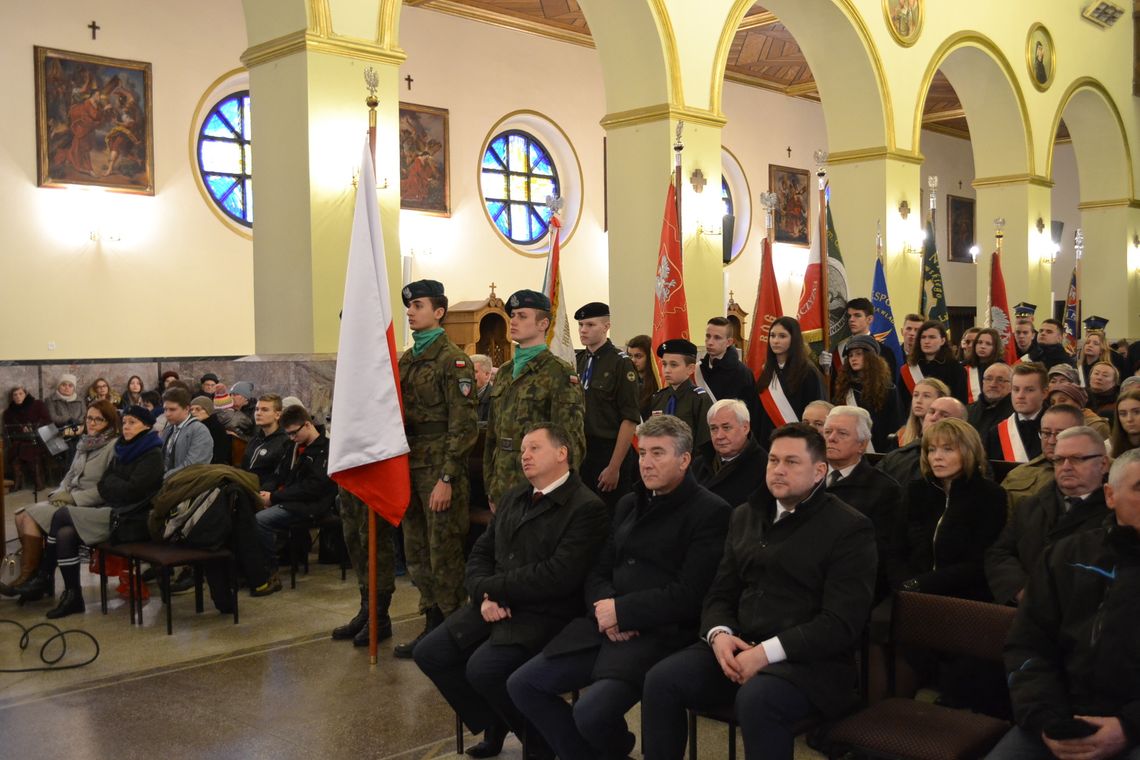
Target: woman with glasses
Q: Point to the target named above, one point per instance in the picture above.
(79, 488)
(100, 390)
(1126, 425)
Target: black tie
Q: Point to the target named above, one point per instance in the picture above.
(834, 478)
(536, 497)
(1071, 502)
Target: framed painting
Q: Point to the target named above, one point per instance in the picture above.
(793, 205)
(960, 233)
(425, 160)
(93, 122)
(1040, 57)
(904, 19)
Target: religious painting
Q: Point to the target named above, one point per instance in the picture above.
(793, 205)
(93, 122)
(959, 228)
(1040, 57)
(904, 19)
(425, 160)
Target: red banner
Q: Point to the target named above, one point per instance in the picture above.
(999, 310)
(767, 311)
(670, 310)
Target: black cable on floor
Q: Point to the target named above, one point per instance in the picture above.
(50, 661)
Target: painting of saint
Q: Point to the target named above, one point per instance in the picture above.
(424, 161)
(793, 206)
(904, 17)
(1040, 56)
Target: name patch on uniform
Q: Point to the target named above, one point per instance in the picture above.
(465, 387)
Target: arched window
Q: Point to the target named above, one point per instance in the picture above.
(518, 175)
(726, 196)
(225, 157)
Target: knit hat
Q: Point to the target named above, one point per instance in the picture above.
(204, 402)
(67, 377)
(289, 401)
(1068, 371)
(242, 388)
(222, 398)
(1073, 391)
(169, 373)
(140, 413)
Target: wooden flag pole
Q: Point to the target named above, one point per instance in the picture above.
(678, 148)
(372, 82)
(825, 293)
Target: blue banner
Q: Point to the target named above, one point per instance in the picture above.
(883, 323)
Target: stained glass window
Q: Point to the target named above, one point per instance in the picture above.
(725, 196)
(518, 175)
(225, 157)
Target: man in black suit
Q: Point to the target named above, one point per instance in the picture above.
(853, 480)
(722, 373)
(995, 404)
(646, 592)
(783, 617)
(525, 577)
(737, 469)
(1016, 438)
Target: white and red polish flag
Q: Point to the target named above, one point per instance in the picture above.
(368, 451)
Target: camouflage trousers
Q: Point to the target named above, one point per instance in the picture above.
(433, 543)
(354, 521)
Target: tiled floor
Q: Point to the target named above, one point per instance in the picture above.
(274, 686)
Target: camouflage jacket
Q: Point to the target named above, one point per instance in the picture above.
(440, 417)
(547, 390)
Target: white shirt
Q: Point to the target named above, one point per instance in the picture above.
(843, 471)
(552, 486)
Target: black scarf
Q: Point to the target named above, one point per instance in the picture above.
(128, 451)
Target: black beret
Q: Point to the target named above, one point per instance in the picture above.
(527, 299)
(421, 289)
(208, 376)
(592, 310)
(140, 413)
(677, 346)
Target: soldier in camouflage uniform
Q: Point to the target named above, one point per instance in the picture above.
(441, 421)
(536, 387)
(680, 396)
(354, 523)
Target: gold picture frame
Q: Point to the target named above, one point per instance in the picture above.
(1042, 67)
(904, 19)
(425, 159)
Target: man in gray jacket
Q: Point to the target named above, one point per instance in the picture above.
(185, 440)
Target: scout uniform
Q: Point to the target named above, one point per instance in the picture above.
(688, 401)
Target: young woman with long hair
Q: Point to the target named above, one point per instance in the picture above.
(864, 380)
(932, 356)
(789, 381)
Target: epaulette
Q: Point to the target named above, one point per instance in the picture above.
(698, 389)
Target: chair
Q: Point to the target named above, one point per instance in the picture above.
(900, 727)
(164, 557)
(299, 557)
(727, 714)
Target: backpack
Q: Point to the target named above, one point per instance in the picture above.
(203, 521)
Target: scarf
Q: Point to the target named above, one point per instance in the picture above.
(74, 395)
(424, 338)
(524, 355)
(128, 451)
(89, 443)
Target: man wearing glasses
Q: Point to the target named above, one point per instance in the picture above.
(1075, 504)
(1027, 479)
(995, 404)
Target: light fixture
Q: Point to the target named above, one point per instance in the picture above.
(1040, 225)
(914, 240)
(974, 251)
(904, 210)
(1102, 13)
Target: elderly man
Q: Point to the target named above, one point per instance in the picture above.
(1076, 504)
(1015, 439)
(646, 591)
(995, 404)
(788, 655)
(902, 463)
(483, 371)
(853, 480)
(525, 577)
(1027, 479)
(1071, 655)
(737, 468)
(815, 414)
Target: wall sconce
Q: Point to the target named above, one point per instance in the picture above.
(904, 210)
(914, 240)
(1040, 226)
(1135, 241)
(380, 185)
(974, 251)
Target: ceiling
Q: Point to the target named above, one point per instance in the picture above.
(763, 53)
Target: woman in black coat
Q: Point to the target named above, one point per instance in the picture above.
(789, 382)
(953, 514)
(932, 356)
(127, 485)
(865, 381)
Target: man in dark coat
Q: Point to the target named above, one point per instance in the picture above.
(783, 617)
(1076, 504)
(995, 404)
(524, 577)
(737, 467)
(853, 480)
(1016, 438)
(269, 445)
(723, 374)
(1073, 656)
(646, 592)
(1049, 349)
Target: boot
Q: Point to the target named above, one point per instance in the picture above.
(354, 626)
(37, 588)
(70, 602)
(33, 549)
(383, 622)
(434, 618)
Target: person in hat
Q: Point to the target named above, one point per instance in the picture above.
(202, 409)
(609, 383)
(681, 397)
(437, 381)
(1024, 333)
(864, 380)
(207, 385)
(66, 410)
(1094, 348)
(1050, 346)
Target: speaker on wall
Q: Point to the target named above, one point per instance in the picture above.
(728, 225)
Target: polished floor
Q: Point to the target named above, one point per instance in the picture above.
(273, 686)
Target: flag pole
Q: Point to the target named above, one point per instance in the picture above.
(825, 293)
(678, 148)
(372, 82)
(1079, 252)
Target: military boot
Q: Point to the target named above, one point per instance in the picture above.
(434, 617)
(383, 622)
(354, 626)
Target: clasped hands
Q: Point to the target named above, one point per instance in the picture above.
(605, 612)
(492, 611)
(737, 658)
(1108, 741)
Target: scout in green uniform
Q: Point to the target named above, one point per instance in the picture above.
(609, 381)
(438, 385)
(680, 397)
(535, 387)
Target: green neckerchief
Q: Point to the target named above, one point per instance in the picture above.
(524, 355)
(424, 338)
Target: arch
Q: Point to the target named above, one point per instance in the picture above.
(978, 71)
(638, 50)
(1104, 157)
(843, 58)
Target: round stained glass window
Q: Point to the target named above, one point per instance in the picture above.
(518, 175)
(225, 157)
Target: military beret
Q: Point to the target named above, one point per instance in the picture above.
(865, 342)
(592, 310)
(527, 299)
(677, 346)
(421, 289)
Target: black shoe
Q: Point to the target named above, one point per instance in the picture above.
(183, 584)
(271, 586)
(492, 743)
(37, 588)
(359, 621)
(150, 574)
(70, 602)
(404, 651)
(383, 632)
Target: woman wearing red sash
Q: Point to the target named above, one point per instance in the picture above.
(789, 382)
(865, 381)
(932, 356)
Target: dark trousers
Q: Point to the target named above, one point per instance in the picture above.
(592, 728)
(473, 681)
(766, 706)
(597, 458)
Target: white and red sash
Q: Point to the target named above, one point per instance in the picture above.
(973, 384)
(911, 376)
(776, 404)
(1081, 381)
(852, 402)
(1012, 447)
